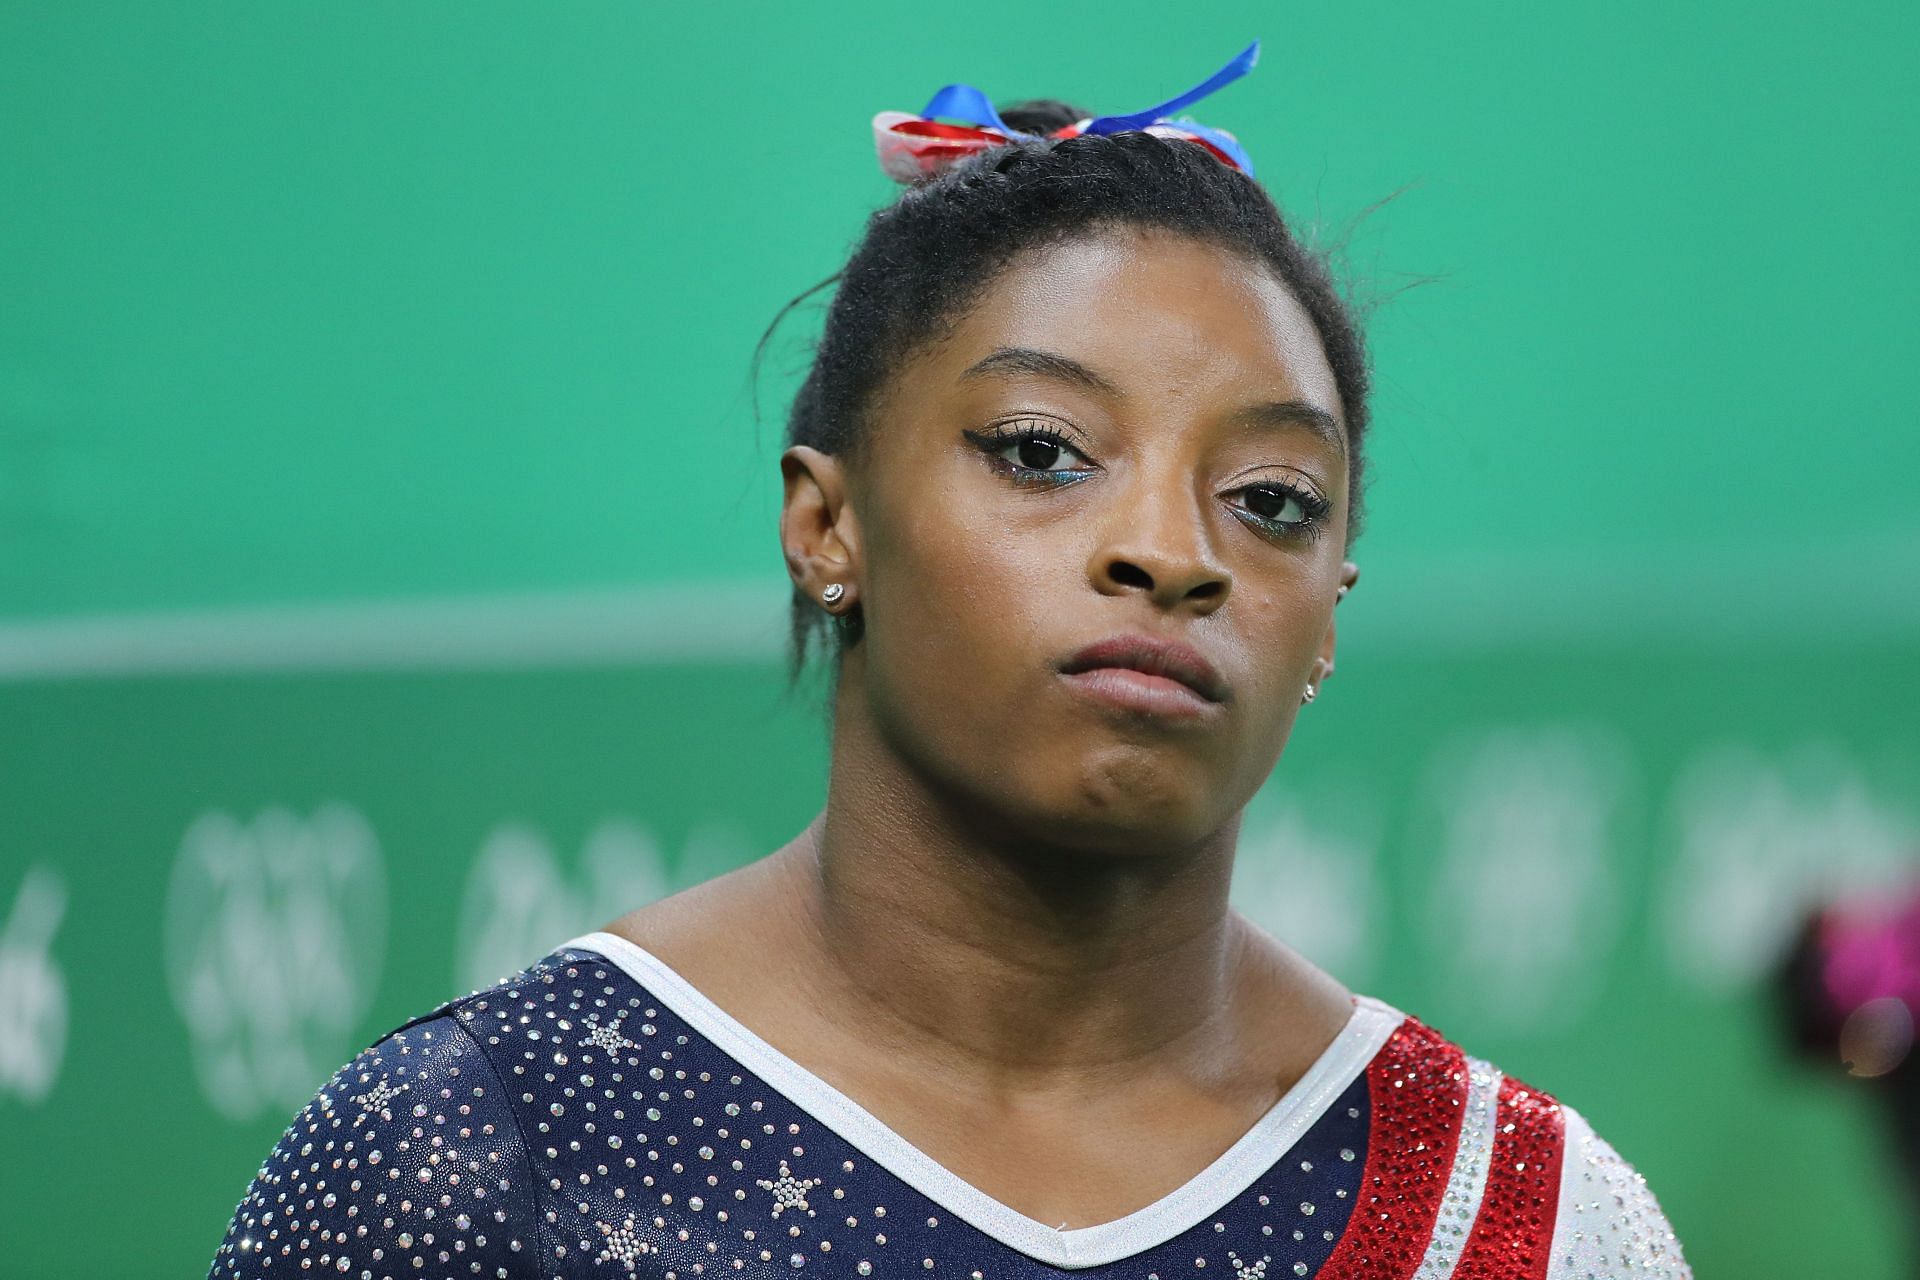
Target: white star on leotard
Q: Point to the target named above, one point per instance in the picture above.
(624, 1244)
(377, 1098)
(1248, 1271)
(607, 1036)
(789, 1192)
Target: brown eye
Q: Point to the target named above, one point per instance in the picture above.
(1038, 455)
(1270, 502)
(1281, 510)
(1034, 452)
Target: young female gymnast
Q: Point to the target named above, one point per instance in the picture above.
(1070, 492)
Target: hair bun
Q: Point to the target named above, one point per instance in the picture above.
(1043, 115)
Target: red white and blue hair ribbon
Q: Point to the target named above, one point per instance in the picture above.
(915, 147)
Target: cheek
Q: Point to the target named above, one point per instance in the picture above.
(958, 592)
(1272, 622)
(1281, 622)
(974, 592)
(1281, 634)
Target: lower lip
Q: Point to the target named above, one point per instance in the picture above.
(1136, 691)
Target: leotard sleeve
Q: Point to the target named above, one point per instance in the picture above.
(1609, 1223)
(409, 1162)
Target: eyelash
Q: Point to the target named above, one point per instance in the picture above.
(997, 439)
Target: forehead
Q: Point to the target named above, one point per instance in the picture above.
(1159, 313)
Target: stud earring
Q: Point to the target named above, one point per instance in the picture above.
(1307, 694)
(833, 592)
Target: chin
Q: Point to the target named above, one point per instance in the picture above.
(1101, 820)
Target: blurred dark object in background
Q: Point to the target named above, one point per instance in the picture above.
(1849, 992)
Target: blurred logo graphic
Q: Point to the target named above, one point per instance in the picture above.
(1763, 840)
(1313, 886)
(519, 904)
(33, 992)
(1525, 907)
(275, 936)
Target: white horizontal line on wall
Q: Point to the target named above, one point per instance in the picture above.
(1691, 601)
(705, 622)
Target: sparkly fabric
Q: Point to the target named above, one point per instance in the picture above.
(408, 1162)
(1512, 1233)
(1418, 1084)
(1608, 1223)
(570, 1121)
(626, 1144)
(1467, 1183)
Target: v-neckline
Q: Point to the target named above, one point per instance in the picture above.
(1194, 1201)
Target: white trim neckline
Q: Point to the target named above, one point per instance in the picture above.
(1205, 1194)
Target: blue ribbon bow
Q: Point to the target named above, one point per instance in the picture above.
(965, 103)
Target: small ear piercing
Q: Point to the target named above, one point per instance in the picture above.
(833, 592)
(1311, 691)
(1341, 594)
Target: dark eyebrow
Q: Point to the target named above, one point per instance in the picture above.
(1046, 364)
(1300, 413)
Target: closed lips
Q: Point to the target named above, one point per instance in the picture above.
(1169, 659)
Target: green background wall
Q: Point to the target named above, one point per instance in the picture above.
(386, 552)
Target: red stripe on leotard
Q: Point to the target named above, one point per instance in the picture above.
(1417, 1093)
(1512, 1236)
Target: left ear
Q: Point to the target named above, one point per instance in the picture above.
(1323, 662)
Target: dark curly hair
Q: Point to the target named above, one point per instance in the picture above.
(927, 256)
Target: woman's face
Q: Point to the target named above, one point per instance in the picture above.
(1132, 441)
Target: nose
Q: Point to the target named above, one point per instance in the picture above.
(1158, 544)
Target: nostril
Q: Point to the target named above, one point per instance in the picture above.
(1208, 590)
(1128, 574)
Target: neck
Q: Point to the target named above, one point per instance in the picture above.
(1003, 958)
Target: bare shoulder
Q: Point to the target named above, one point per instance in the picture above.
(715, 929)
(692, 912)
